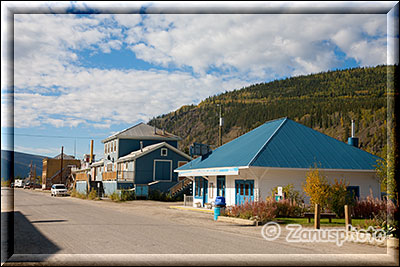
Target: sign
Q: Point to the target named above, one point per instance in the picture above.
(199, 149)
(280, 191)
(207, 172)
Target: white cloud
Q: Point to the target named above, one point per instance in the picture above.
(243, 48)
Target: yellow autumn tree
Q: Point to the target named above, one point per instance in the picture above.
(317, 188)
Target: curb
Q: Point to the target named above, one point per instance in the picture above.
(389, 242)
(191, 209)
(236, 220)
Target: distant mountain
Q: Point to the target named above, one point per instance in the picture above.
(22, 163)
(326, 102)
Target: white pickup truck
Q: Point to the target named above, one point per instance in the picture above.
(19, 183)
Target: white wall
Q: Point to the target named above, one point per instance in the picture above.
(266, 178)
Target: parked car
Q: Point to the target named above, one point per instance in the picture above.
(27, 185)
(19, 183)
(58, 189)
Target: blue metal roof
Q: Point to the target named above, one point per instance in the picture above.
(284, 143)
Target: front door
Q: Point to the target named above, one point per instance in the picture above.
(221, 186)
(205, 190)
(244, 191)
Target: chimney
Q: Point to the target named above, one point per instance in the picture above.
(141, 146)
(353, 141)
(91, 152)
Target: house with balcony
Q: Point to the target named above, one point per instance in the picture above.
(141, 157)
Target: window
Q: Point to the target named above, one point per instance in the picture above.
(199, 184)
(162, 170)
(109, 167)
(181, 163)
(221, 186)
(115, 145)
(164, 152)
(353, 191)
(105, 148)
(126, 166)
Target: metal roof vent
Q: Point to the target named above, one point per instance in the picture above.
(353, 141)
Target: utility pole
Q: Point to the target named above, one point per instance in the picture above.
(61, 167)
(33, 183)
(30, 173)
(221, 122)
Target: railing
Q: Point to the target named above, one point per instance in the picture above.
(187, 200)
(180, 186)
(81, 176)
(109, 176)
(126, 175)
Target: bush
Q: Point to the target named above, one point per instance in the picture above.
(93, 194)
(127, 195)
(161, 196)
(338, 197)
(290, 193)
(371, 207)
(289, 208)
(76, 194)
(115, 196)
(263, 211)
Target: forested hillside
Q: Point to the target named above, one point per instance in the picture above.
(326, 101)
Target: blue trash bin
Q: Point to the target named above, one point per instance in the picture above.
(217, 212)
(220, 202)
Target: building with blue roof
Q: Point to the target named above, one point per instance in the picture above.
(278, 153)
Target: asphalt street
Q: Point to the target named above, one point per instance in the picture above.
(48, 227)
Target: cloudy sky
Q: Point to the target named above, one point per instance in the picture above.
(82, 76)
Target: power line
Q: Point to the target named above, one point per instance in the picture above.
(53, 136)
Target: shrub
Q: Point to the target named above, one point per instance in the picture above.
(127, 195)
(161, 196)
(115, 196)
(76, 194)
(263, 211)
(290, 193)
(371, 207)
(338, 197)
(289, 208)
(93, 194)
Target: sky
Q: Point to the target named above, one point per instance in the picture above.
(86, 76)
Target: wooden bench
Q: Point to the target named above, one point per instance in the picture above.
(310, 215)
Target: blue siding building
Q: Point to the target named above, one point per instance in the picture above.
(141, 157)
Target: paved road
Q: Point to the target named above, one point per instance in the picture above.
(55, 227)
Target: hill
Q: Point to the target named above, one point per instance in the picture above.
(325, 101)
(22, 163)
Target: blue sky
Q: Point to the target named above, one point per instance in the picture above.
(83, 76)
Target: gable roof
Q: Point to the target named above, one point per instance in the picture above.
(65, 156)
(142, 131)
(147, 149)
(284, 143)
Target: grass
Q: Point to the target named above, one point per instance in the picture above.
(324, 221)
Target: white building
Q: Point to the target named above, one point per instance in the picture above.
(278, 153)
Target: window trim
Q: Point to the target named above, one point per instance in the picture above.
(165, 150)
(154, 170)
